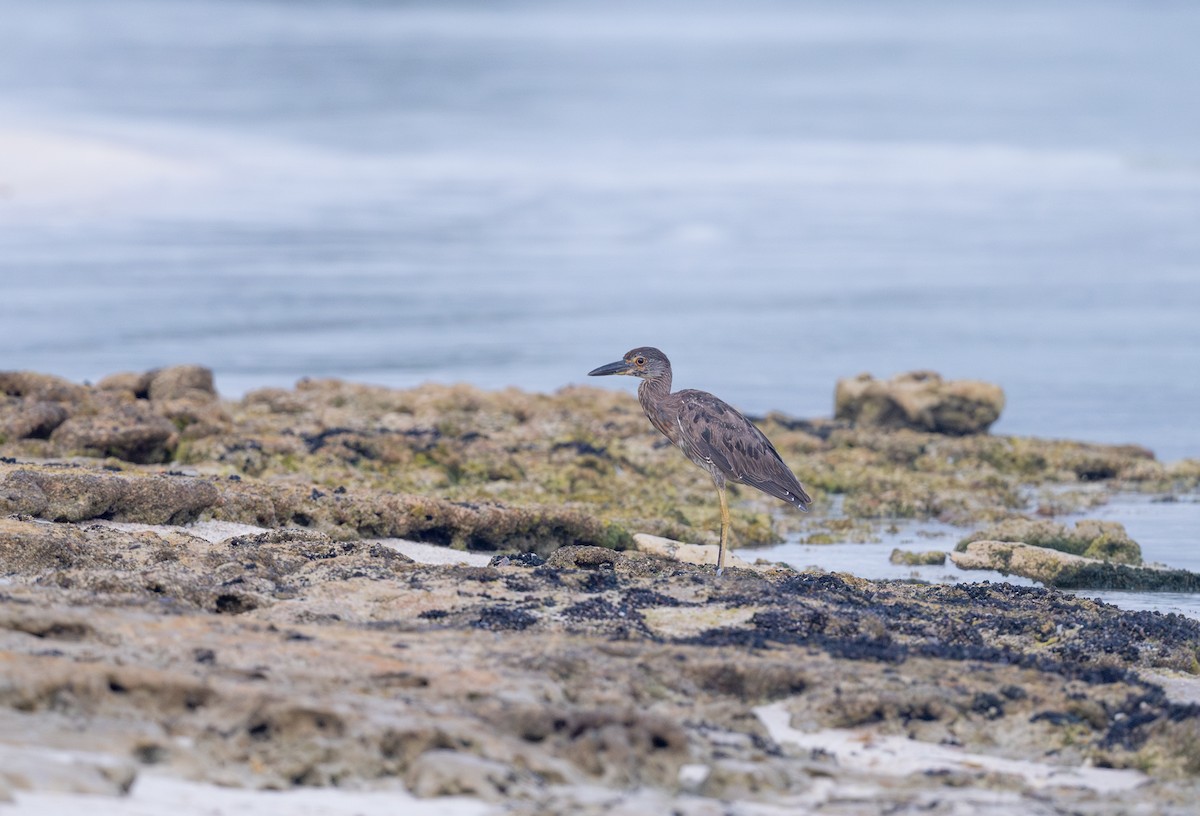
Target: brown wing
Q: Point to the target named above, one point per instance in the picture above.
(720, 439)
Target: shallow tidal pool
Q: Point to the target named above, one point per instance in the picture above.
(1168, 532)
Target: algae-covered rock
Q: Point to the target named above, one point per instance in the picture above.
(134, 383)
(25, 419)
(916, 559)
(42, 387)
(135, 417)
(920, 400)
(187, 397)
(191, 382)
(1066, 571)
(229, 577)
(1101, 540)
(132, 431)
(33, 405)
(75, 494)
(578, 451)
(69, 495)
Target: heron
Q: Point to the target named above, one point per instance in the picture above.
(710, 432)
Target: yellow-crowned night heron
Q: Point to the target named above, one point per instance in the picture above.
(711, 433)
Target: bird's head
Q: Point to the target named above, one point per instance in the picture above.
(644, 362)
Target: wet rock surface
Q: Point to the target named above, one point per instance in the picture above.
(573, 673)
(1091, 555)
(1100, 540)
(1059, 569)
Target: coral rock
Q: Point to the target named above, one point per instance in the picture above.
(132, 382)
(920, 400)
(182, 382)
(1102, 540)
(1066, 571)
(28, 419)
(916, 559)
(31, 385)
(71, 496)
(130, 431)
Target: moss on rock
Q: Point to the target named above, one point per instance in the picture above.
(915, 559)
(1101, 540)
(1066, 571)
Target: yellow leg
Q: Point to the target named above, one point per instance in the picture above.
(724, 529)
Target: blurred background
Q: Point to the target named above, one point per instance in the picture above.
(777, 194)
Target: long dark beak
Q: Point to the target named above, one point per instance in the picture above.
(619, 367)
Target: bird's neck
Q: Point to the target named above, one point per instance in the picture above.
(655, 396)
(655, 388)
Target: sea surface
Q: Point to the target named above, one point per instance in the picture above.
(777, 194)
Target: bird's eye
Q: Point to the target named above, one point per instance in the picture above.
(639, 361)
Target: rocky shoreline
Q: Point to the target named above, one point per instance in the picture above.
(218, 591)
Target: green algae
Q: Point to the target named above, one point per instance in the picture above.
(1103, 540)
(915, 559)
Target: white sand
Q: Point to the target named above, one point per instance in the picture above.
(213, 531)
(863, 750)
(433, 554)
(154, 795)
(1180, 688)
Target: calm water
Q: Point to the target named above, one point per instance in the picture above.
(1166, 532)
(776, 193)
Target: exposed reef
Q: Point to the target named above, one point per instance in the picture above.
(583, 451)
(284, 658)
(217, 590)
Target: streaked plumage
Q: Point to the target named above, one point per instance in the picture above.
(710, 432)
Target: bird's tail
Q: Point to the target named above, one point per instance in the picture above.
(794, 495)
(801, 500)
